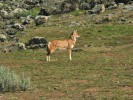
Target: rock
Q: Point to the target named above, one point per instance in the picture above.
(120, 4)
(112, 6)
(130, 2)
(2, 37)
(129, 7)
(88, 45)
(7, 17)
(26, 20)
(74, 23)
(11, 31)
(123, 19)
(18, 27)
(21, 46)
(14, 47)
(107, 18)
(100, 8)
(67, 7)
(3, 12)
(17, 11)
(37, 42)
(31, 2)
(44, 12)
(39, 20)
(77, 50)
(85, 6)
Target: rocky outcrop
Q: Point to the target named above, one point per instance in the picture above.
(13, 47)
(36, 42)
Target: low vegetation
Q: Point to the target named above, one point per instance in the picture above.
(33, 12)
(10, 82)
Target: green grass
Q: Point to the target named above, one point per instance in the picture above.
(102, 71)
(91, 74)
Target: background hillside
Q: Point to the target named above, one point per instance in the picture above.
(101, 68)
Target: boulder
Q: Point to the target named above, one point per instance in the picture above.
(37, 42)
(17, 11)
(44, 12)
(11, 31)
(129, 7)
(100, 8)
(7, 17)
(112, 6)
(1, 5)
(21, 46)
(3, 12)
(13, 47)
(67, 7)
(26, 20)
(18, 27)
(39, 20)
(2, 37)
(85, 6)
(31, 2)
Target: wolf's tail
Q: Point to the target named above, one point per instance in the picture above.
(48, 48)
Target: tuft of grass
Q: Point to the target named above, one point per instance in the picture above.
(78, 12)
(25, 83)
(10, 82)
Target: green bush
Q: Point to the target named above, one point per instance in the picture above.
(34, 12)
(25, 83)
(10, 82)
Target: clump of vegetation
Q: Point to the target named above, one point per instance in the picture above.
(33, 12)
(10, 82)
(77, 12)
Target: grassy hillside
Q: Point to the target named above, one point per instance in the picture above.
(101, 70)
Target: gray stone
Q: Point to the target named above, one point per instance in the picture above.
(2, 37)
(18, 27)
(129, 7)
(21, 46)
(39, 20)
(11, 31)
(37, 42)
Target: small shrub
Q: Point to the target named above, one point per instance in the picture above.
(25, 83)
(33, 12)
(10, 82)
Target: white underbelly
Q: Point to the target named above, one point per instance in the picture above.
(62, 48)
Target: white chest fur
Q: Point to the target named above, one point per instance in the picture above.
(72, 46)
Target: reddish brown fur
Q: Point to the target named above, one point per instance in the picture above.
(62, 44)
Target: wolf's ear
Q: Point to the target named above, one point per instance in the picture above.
(74, 31)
